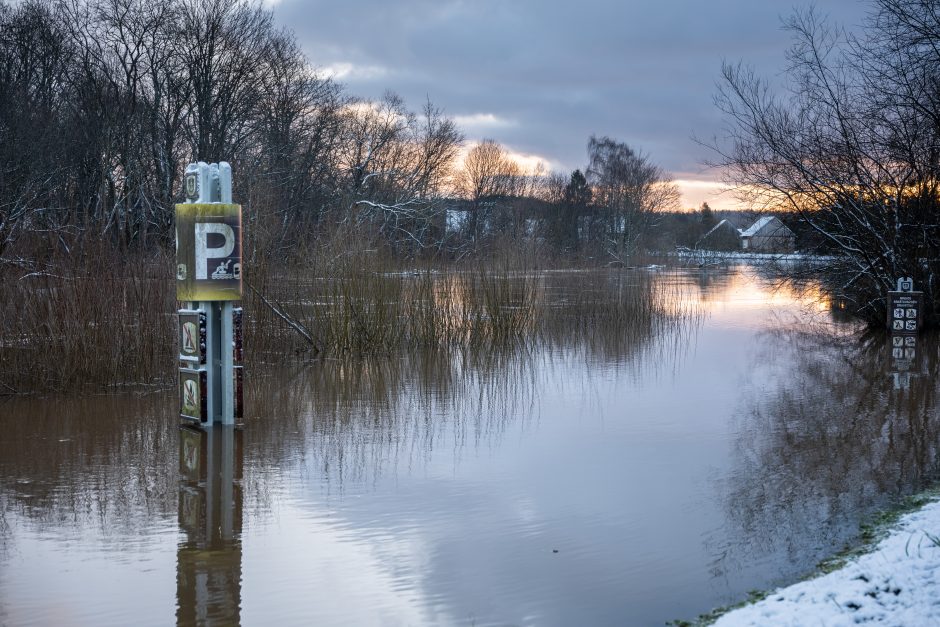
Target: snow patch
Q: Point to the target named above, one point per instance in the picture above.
(895, 584)
(757, 226)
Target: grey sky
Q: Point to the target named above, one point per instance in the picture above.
(542, 76)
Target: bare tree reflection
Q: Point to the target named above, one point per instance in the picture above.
(824, 440)
(360, 419)
(713, 283)
(102, 460)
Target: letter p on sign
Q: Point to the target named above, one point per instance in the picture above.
(205, 253)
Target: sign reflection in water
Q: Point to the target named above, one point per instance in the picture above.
(209, 557)
(905, 361)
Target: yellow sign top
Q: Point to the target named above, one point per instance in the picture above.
(208, 251)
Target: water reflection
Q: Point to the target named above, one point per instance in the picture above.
(835, 425)
(361, 419)
(358, 420)
(435, 486)
(712, 284)
(209, 558)
(89, 459)
(88, 490)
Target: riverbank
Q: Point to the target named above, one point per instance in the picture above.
(894, 583)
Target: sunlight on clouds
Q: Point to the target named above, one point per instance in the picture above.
(366, 108)
(482, 120)
(360, 107)
(530, 163)
(718, 195)
(341, 71)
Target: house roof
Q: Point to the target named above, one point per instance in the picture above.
(763, 223)
(724, 224)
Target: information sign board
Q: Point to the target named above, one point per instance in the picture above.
(208, 251)
(905, 311)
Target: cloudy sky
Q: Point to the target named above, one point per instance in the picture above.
(541, 76)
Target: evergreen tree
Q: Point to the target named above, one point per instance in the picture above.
(707, 217)
(577, 197)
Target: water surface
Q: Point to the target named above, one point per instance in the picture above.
(622, 479)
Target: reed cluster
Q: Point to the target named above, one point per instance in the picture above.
(98, 319)
(365, 309)
(107, 321)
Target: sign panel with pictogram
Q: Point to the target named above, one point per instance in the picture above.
(192, 336)
(905, 311)
(193, 393)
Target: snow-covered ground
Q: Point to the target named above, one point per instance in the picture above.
(895, 584)
(715, 256)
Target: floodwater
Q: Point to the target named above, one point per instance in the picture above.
(567, 483)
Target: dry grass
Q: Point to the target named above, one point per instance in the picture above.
(369, 310)
(96, 320)
(103, 320)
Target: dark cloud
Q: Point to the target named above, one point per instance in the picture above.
(554, 72)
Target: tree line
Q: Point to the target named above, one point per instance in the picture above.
(104, 102)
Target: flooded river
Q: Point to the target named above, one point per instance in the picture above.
(582, 482)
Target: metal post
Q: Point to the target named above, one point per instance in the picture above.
(213, 346)
(223, 176)
(226, 365)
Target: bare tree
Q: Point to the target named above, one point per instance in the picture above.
(124, 56)
(489, 179)
(295, 150)
(851, 144)
(225, 46)
(397, 164)
(34, 61)
(629, 190)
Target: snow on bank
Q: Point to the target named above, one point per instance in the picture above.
(701, 256)
(895, 584)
